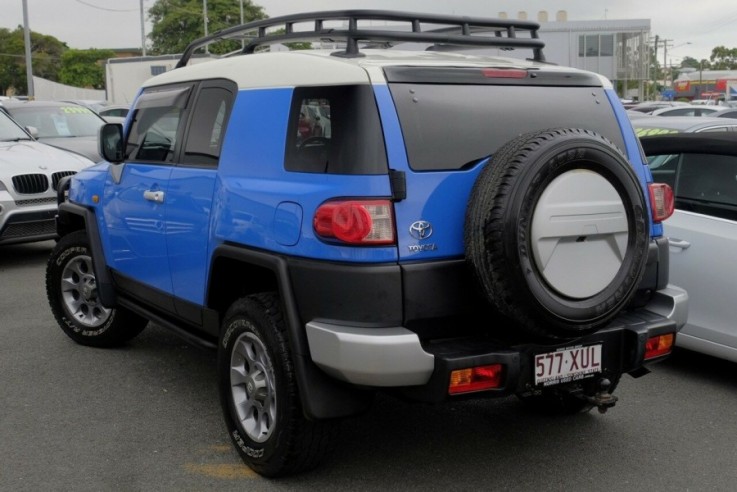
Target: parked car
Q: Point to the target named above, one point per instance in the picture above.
(658, 125)
(702, 171)
(421, 248)
(687, 110)
(725, 112)
(116, 110)
(65, 125)
(650, 106)
(30, 172)
(94, 104)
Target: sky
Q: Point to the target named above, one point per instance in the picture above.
(691, 27)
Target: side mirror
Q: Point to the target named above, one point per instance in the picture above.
(110, 142)
(33, 131)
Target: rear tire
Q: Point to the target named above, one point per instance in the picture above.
(71, 289)
(259, 395)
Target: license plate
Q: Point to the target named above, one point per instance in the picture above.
(566, 365)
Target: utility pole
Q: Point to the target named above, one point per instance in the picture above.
(143, 33)
(204, 15)
(665, 61)
(27, 41)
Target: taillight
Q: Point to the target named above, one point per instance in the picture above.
(662, 201)
(368, 222)
(659, 345)
(504, 73)
(476, 379)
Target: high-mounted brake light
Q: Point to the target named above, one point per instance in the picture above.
(360, 222)
(504, 73)
(659, 345)
(476, 379)
(662, 201)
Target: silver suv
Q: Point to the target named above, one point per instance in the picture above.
(29, 174)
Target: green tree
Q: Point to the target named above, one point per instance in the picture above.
(84, 68)
(176, 23)
(723, 58)
(46, 52)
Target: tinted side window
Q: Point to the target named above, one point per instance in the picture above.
(708, 184)
(335, 130)
(663, 168)
(156, 123)
(209, 117)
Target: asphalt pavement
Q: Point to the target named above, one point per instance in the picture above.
(146, 417)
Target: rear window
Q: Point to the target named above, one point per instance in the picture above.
(449, 126)
(335, 130)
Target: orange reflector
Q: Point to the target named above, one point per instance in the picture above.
(659, 345)
(476, 379)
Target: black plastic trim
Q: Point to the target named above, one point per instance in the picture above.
(105, 287)
(322, 397)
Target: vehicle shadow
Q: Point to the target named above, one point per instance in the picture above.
(25, 253)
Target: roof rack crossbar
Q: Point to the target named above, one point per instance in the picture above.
(457, 30)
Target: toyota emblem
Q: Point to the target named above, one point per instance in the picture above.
(420, 229)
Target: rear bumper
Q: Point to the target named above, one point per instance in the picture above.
(395, 357)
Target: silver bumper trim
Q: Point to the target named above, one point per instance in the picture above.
(369, 356)
(671, 303)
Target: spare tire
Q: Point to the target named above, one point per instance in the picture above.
(557, 232)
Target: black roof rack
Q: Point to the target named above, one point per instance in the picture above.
(454, 31)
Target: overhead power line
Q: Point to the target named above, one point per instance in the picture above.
(105, 8)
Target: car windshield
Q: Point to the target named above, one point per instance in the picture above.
(59, 121)
(9, 130)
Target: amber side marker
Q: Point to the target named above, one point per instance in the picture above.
(659, 345)
(476, 379)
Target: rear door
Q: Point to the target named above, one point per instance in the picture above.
(703, 237)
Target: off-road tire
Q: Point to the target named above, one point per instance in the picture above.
(259, 395)
(71, 289)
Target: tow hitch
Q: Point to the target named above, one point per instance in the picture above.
(602, 399)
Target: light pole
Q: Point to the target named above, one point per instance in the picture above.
(204, 15)
(27, 41)
(143, 33)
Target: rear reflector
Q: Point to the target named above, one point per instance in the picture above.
(659, 345)
(476, 379)
(661, 201)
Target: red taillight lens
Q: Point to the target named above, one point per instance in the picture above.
(659, 345)
(476, 379)
(356, 221)
(504, 73)
(661, 201)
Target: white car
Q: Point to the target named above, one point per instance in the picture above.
(702, 170)
(29, 174)
(687, 110)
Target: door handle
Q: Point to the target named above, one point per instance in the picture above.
(154, 196)
(678, 243)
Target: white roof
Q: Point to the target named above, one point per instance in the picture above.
(319, 67)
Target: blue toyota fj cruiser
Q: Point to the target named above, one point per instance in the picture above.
(437, 223)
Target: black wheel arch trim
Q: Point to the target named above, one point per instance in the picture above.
(105, 288)
(321, 396)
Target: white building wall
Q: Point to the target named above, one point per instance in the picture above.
(46, 90)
